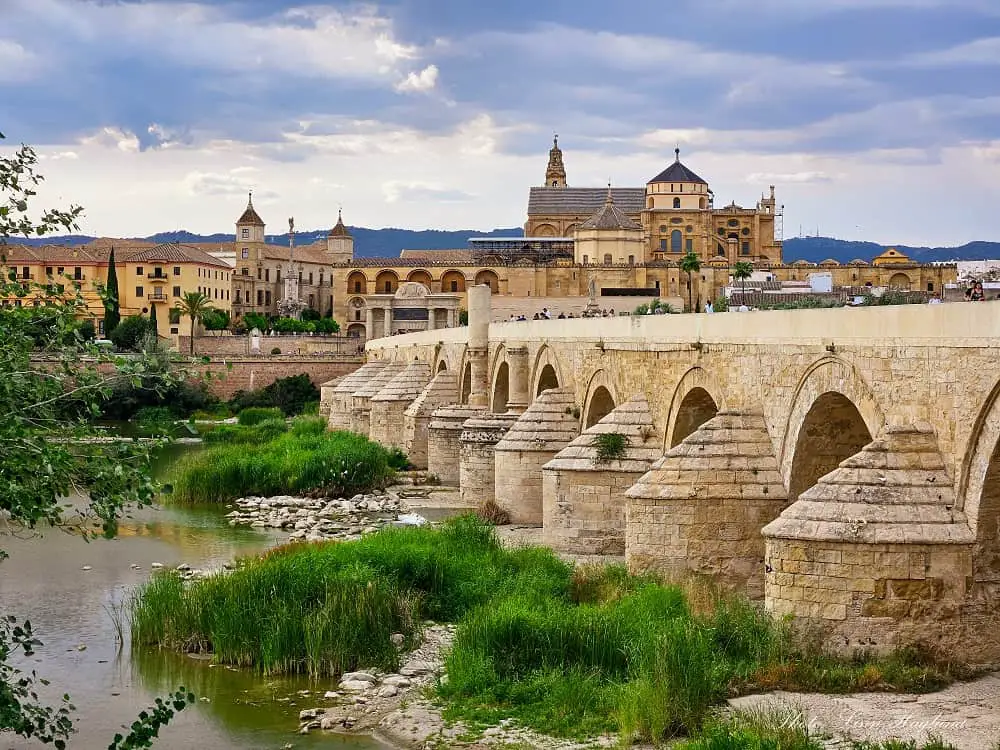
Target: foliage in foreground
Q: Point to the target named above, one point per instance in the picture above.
(302, 458)
(567, 652)
(52, 383)
(290, 394)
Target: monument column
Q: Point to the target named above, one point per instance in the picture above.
(479, 344)
(517, 361)
(388, 319)
(369, 324)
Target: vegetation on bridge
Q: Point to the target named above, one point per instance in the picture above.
(570, 652)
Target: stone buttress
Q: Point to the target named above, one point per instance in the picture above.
(876, 553)
(544, 429)
(583, 497)
(477, 462)
(340, 396)
(441, 391)
(326, 395)
(444, 446)
(361, 398)
(388, 405)
(701, 508)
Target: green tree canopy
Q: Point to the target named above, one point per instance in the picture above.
(690, 264)
(194, 305)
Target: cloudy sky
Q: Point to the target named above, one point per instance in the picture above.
(875, 119)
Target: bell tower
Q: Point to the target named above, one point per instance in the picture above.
(555, 172)
(249, 234)
(339, 242)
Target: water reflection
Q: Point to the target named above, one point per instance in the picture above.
(44, 580)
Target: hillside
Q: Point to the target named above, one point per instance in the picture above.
(387, 243)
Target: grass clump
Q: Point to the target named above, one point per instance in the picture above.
(772, 728)
(273, 458)
(569, 652)
(611, 446)
(256, 414)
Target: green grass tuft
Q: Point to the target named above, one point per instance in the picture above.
(256, 414)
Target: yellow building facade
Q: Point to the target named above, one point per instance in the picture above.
(148, 275)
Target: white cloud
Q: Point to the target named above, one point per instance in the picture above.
(394, 190)
(979, 52)
(307, 42)
(17, 64)
(420, 82)
(773, 178)
(112, 137)
(59, 155)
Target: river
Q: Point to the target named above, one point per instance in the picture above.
(70, 611)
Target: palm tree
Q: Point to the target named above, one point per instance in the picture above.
(690, 264)
(742, 271)
(194, 305)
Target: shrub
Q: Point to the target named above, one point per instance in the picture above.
(255, 415)
(611, 446)
(310, 314)
(276, 350)
(86, 330)
(132, 334)
(255, 320)
(182, 398)
(327, 325)
(215, 320)
(289, 394)
(262, 432)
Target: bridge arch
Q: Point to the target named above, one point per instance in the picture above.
(546, 372)
(833, 415)
(979, 482)
(601, 399)
(440, 361)
(697, 398)
(465, 389)
(499, 382)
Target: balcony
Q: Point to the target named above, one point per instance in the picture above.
(153, 297)
(157, 277)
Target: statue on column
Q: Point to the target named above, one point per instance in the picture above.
(291, 304)
(592, 308)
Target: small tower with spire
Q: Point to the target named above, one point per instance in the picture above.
(339, 242)
(555, 172)
(249, 234)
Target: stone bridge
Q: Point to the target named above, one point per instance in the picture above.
(842, 464)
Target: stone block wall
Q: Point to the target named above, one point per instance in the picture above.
(879, 596)
(477, 462)
(584, 511)
(386, 420)
(519, 484)
(444, 452)
(254, 373)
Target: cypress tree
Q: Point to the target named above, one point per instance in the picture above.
(112, 311)
(152, 319)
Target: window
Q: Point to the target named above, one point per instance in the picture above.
(100, 327)
(245, 253)
(310, 278)
(277, 274)
(48, 270)
(733, 222)
(677, 202)
(77, 273)
(357, 315)
(688, 245)
(586, 260)
(246, 271)
(237, 296)
(177, 291)
(267, 274)
(675, 241)
(930, 286)
(745, 231)
(25, 272)
(607, 259)
(663, 245)
(663, 228)
(259, 273)
(321, 278)
(139, 292)
(138, 270)
(260, 297)
(677, 220)
(745, 248)
(454, 286)
(312, 301)
(267, 297)
(177, 270)
(357, 286)
(388, 287)
(300, 277)
(60, 270)
(173, 329)
(631, 260)
(245, 234)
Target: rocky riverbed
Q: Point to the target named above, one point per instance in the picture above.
(314, 520)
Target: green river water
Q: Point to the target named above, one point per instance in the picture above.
(44, 581)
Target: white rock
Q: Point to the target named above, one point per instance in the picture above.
(358, 676)
(183, 567)
(354, 686)
(87, 567)
(328, 722)
(331, 694)
(397, 680)
(311, 713)
(388, 691)
(156, 566)
(397, 639)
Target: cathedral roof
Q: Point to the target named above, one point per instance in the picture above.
(339, 230)
(548, 201)
(250, 216)
(677, 172)
(609, 216)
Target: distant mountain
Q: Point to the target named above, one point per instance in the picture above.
(817, 249)
(387, 243)
(368, 243)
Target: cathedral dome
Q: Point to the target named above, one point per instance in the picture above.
(677, 172)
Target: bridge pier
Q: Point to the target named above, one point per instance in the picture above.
(877, 554)
(340, 396)
(477, 463)
(444, 446)
(441, 391)
(389, 404)
(544, 429)
(361, 399)
(583, 493)
(701, 508)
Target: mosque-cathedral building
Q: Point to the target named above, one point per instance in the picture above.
(629, 241)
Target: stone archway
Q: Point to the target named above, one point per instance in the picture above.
(697, 398)
(453, 282)
(832, 431)
(546, 372)
(420, 276)
(829, 374)
(979, 488)
(357, 283)
(387, 282)
(601, 399)
(442, 366)
(490, 279)
(466, 389)
(547, 379)
(501, 389)
(695, 409)
(900, 282)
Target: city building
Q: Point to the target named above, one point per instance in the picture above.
(148, 275)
